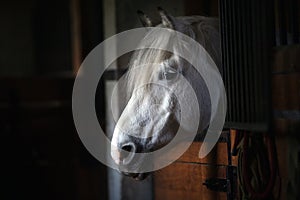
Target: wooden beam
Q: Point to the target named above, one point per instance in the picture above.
(76, 34)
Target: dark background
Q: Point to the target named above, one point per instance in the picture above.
(41, 154)
(43, 42)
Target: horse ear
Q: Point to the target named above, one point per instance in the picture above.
(146, 21)
(166, 19)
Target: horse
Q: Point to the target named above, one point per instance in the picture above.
(152, 114)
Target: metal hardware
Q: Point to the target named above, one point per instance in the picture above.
(247, 41)
(217, 184)
(228, 184)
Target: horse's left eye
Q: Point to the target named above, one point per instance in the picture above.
(169, 74)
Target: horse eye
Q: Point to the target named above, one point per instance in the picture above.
(168, 74)
(172, 63)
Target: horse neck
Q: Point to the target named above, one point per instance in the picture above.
(202, 93)
(207, 34)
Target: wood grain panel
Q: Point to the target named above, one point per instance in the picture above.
(185, 181)
(286, 91)
(286, 127)
(184, 178)
(217, 156)
(286, 59)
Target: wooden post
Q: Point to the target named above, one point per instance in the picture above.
(76, 34)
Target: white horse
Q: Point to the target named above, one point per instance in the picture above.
(152, 115)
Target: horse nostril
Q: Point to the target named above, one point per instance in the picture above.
(128, 152)
(127, 147)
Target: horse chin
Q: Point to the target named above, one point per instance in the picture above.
(137, 176)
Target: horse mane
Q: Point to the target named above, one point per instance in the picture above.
(204, 30)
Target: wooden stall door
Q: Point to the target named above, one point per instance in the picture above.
(184, 178)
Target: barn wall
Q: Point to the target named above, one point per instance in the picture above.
(18, 55)
(42, 155)
(185, 177)
(286, 105)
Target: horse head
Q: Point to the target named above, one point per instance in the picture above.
(152, 116)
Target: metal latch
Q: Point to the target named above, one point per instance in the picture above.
(217, 184)
(228, 184)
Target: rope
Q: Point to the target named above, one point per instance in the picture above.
(257, 167)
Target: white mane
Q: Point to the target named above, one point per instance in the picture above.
(203, 29)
